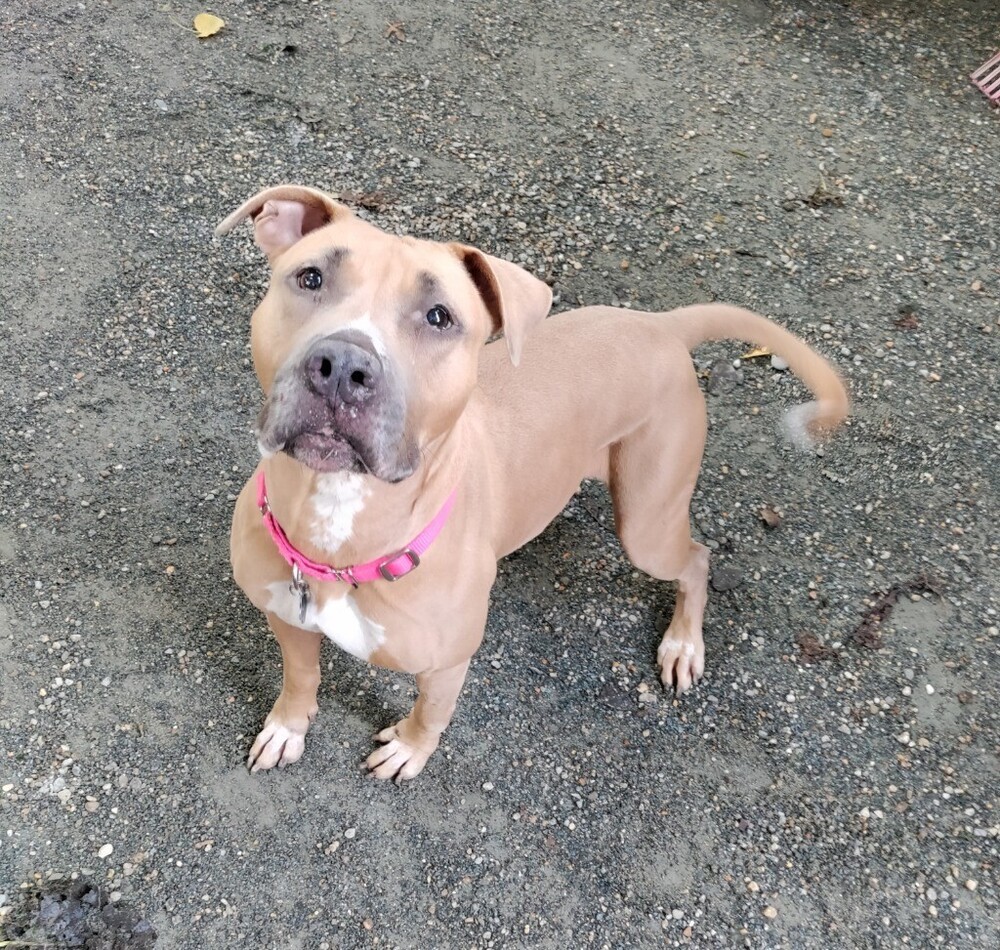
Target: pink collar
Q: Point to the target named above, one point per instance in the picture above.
(389, 568)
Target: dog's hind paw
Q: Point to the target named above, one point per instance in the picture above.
(681, 661)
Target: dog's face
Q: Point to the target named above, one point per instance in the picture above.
(367, 345)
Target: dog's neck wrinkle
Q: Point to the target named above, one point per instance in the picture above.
(388, 519)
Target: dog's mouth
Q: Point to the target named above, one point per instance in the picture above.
(325, 450)
(368, 440)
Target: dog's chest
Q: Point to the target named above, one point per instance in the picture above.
(336, 501)
(337, 618)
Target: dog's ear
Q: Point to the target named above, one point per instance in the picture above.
(284, 215)
(516, 300)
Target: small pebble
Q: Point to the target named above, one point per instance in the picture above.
(105, 850)
(726, 578)
(770, 912)
(350, 833)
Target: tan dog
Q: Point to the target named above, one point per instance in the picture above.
(383, 406)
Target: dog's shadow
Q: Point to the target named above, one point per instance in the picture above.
(577, 562)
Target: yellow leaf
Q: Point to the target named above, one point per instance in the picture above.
(207, 24)
(756, 352)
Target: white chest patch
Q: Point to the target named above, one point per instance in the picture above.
(338, 619)
(338, 498)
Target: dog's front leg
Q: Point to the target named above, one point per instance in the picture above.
(283, 737)
(410, 743)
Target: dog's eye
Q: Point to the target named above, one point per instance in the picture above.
(439, 318)
(310, 278)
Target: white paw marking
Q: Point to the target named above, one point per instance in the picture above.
(338, 619)
(682, 662)
(677, 647)
(396, 759)
(338, 498)
(276, 745)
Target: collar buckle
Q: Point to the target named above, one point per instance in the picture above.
(383, 568)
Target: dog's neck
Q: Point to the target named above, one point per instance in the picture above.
(323, 513)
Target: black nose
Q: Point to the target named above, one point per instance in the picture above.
(344, 366)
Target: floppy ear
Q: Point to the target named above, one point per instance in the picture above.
(284, 215)
(516, 300)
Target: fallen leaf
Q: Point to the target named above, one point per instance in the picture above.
(813, 649)
(756, 352)
(770, 517)
(868, 633)
(372, 200)
(207, 24)
(823, 196)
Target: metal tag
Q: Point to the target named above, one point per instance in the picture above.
(300, 587)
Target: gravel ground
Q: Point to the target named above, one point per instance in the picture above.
(832, 783)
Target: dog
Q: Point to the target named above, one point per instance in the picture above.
(402, 455)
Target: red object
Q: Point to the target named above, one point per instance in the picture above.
(987, 79)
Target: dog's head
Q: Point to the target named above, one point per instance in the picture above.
(367, 345)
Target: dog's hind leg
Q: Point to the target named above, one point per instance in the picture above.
(652, 476)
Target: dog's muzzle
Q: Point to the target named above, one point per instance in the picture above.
(339, 407)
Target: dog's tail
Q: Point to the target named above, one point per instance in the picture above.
(703, 322)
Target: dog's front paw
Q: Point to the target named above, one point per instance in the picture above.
(681, 660)
(404, 754)
(281, 741)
